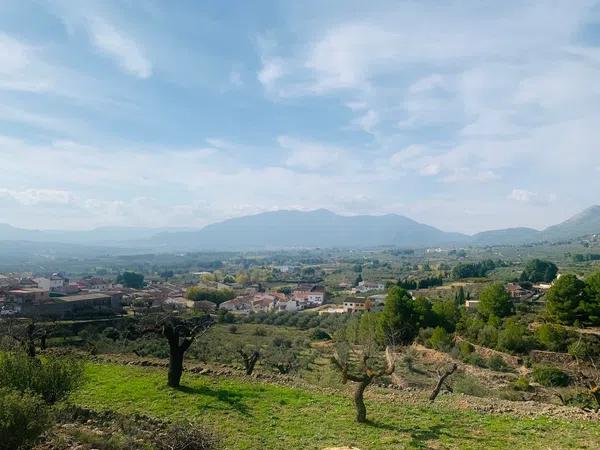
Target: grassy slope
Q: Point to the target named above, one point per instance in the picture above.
(253, 415)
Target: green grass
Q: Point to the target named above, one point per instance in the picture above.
(254, 415)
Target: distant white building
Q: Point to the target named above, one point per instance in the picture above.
(289, 305)
(367, 286)
(52, 284)
(308, 299)
(470, 304)
(351, 305)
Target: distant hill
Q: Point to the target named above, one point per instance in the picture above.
(96, 236)
(509, 236)
(320, 228)
(585, 223)
(303, 229)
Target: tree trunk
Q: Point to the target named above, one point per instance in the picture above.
(250, 363)
(31, 348)
(440, 382)
(175, 367)
(43, 338)
(359, 402)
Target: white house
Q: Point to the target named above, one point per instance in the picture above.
(366, 286)
(354, 305)
(289, 305)
(308, 299)
(54, 283)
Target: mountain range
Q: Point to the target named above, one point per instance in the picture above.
(302, 229)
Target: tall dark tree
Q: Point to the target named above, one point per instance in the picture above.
(591, 307)
(538, 271)
(495, 301)
(131, 280)
(565, 298)
(399, 319)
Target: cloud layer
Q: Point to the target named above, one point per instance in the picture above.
(462, 115)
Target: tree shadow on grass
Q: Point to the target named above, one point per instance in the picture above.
(233, 399)
(420, 437)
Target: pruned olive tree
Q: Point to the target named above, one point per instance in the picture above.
(249, 358)
(441, 382)
(26, 334)
(362, 373)
(180, 333)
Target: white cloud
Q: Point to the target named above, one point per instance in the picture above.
(407, 157)
(14, 55)
(271, 71)
(235, 78)
(531, 198)
(311, 155)
(368, 121)
(29, 197)
(127, 52)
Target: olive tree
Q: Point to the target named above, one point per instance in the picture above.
(180, 333)
(362, 374)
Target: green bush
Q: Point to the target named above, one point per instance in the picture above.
(552, 337)
(440, 339)
(475, 360)
(498, 364)
(260, 331)
(425, 335)
(513, 337)
(23, 418)
(52, 378)
(521, 384)
(469, 385)
(549, 376)
(319, 334)
(465, 349)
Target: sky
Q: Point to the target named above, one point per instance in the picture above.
(465, 115)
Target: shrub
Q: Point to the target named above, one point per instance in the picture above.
(425, 335)
(188, 436)
(513, 337)
(498, 364)
(440, 339)
(283, 360)
(319, 334)
(233, 329)
(475, 359)
(552, 337)
(23, 418)
(488, 336)
(52, 378)
(469, 385)
(260, 331)
(465, 349)
(549, 376)
(583, 348)
(521, 384)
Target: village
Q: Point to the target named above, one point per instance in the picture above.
(57, 296)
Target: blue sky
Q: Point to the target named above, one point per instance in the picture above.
(464, 115)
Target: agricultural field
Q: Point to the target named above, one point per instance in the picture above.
(251, 414)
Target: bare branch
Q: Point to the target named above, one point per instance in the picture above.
(440, 382)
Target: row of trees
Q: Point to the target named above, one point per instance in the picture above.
(475, 269)
(539, 271)
(218, 296)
